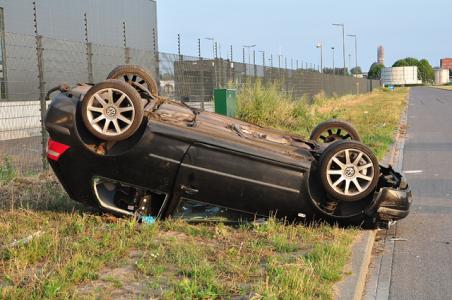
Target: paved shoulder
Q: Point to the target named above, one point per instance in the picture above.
(422, 259)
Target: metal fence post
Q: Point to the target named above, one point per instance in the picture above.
(89, 57)
(254, 64)
(244, 61)
(42, 97)
(156, 57)
(89, 52)
(42, 88)
(126, 49)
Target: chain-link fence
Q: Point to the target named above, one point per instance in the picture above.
(34, 64)
(193, 79)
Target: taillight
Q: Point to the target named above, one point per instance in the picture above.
(55, 150)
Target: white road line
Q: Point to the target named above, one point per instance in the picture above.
(413, 171)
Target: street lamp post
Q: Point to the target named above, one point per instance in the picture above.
(320, 45)
(334, 68)
(213, 45)
(343, 43)
(263, 57)
(263, 64)
(349, 61)
(249, 47)
(356, 47)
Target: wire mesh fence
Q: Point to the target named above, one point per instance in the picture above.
(35, 64)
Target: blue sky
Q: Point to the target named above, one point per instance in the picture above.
(416, 28)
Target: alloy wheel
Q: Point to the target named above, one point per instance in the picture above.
(110, 112)
(350, 172)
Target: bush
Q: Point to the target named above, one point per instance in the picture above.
(268, 106)
(375, 71)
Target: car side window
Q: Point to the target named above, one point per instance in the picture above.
(192, 210)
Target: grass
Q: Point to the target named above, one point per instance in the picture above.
(375, 115)
(7, 170)
(444, 87)
(85, 256)
(81, 254)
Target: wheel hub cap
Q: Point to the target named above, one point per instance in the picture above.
(111, 112)
(349, 172)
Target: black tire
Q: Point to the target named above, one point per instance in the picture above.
(335, 178)
(111, 113)
(334, 130)
(129, 73)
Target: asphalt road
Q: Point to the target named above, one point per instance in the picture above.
(422, 264)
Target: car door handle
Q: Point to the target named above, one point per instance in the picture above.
(188, 190)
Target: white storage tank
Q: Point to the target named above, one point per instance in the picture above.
(400, 76)
(441, 76)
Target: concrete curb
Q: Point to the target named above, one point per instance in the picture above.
(352, 286)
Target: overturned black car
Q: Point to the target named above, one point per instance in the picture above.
(120, 146)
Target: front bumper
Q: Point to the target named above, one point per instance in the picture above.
(394, 198)
(393, 204)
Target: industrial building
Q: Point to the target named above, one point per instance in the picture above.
(400, 76)
(446, 63)
(381, 55)
(64, 19)
(76, 38)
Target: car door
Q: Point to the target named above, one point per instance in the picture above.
(238, 181)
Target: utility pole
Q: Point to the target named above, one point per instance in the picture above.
(343, 43)
(356, 48)
(199, 49)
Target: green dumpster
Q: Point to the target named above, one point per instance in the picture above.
(225, 102)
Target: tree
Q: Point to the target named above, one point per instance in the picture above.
(424, 69)
(375, 71)
(356, 70)
(406, 62)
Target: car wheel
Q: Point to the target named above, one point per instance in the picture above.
(349, 171)
(112, 110)
(135, 75)
(334, 130)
